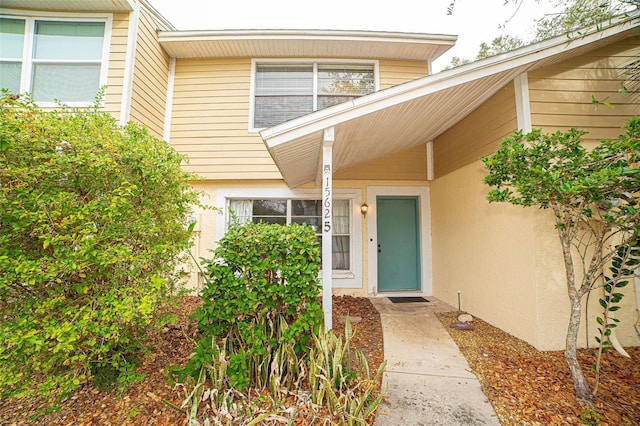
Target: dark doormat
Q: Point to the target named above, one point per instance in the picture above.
(407, 299)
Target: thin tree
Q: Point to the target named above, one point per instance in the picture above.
(595, 200)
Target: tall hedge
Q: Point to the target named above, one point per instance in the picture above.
(93, 218)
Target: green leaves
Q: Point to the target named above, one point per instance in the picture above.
(92, 222)
(547, 169)
(262, 291)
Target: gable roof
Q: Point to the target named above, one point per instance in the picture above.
(414, 113)
(305, 43)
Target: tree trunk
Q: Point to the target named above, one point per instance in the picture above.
(583, 391)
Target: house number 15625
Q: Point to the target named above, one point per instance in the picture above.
(327, 207)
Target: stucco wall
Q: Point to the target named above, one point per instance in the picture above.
(507, 263)
(485, 251)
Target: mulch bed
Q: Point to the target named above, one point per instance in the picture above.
(529, 387)
(143, 403)
(525, 386)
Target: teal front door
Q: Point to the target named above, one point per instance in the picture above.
(398, 243)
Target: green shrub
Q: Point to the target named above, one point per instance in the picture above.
(262, 289)
(93, 218)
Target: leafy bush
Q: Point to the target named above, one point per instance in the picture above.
(341, 383)
(331, 375)
(92, 222)
(262, 290)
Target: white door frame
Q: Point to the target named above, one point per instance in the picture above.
(423, 194)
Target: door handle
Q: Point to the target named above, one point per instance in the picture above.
(379, 249)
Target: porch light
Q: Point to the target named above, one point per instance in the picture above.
(364, 208)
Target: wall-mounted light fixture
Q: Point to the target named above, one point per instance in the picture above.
(364, 208)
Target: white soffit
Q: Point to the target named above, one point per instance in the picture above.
(69, 5)
(305, 43)
(416, 112)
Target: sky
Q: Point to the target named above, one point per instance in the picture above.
(473, 21)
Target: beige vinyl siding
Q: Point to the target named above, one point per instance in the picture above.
(117, 58)
(407, 165)
(393, 73)
(151, 75)
(561, 95)
(210, 120)
(478, 134)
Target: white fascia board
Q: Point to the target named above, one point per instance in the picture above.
(328, 35)
(156, 14)
(523, 58)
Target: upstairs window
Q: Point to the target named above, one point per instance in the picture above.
(51, 59)
(287, 91)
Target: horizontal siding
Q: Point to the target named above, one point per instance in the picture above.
(210, 120)
(151, 75)
(561, 95)
(406, 165)
(397, 72)
(117, 55)
(478, 134)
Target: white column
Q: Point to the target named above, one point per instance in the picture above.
(327, 225)
(129, 64)
(523, 107)
(430, 162)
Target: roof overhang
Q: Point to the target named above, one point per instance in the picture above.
(417, 112)
(305, 43)
(71, 5)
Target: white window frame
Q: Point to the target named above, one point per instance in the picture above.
(304, 61)
(351, 278)
(27, 51)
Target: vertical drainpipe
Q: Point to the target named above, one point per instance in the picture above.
(327, 223)
(130, 59)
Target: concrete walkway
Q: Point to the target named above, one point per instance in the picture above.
(427, 380)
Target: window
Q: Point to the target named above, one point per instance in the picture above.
(52, 59)
(11, 47)
(285, 211)
(287, 91)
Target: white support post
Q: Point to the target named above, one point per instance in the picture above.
(430, 162)
(327, 225)
(523, 106)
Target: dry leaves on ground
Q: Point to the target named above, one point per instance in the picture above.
(529, 387)
(145, 403)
